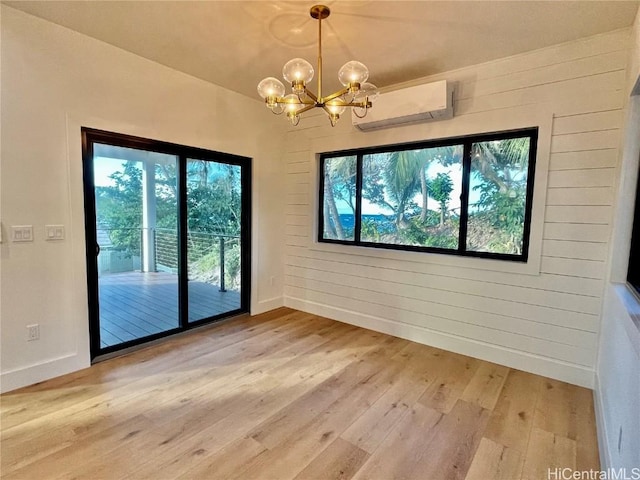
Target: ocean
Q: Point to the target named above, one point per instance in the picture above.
(384, 222)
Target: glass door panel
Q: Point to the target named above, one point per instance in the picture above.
(214, 254)
(136, 231)
(167, 237)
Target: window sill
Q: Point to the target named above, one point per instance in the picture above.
(532, 267)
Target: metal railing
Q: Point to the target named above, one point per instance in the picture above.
(128, 243)
(200, 247)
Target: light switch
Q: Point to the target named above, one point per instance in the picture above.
(54, 232)
(22, 233)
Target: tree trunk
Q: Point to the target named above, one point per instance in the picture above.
(331, 202)
(443, 206)
(401, 221)
(425, 194)
(329, 231)
(204, 174)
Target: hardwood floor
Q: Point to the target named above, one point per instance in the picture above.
(289, 395)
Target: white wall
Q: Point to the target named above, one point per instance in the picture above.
(53, 82)
(541, 317)
(617, 388)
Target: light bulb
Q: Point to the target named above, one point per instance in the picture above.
(368, 90)
(336, 108)
(270, 87)
(353, 72)
(292, 103)
(297, 70)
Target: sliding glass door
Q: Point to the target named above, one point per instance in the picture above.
(167, 230)
(214, 214)
(137, 278)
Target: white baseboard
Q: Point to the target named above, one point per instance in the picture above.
(574, 374)
(267, 305)
(39, 372)
(566, 372)
(601, 427)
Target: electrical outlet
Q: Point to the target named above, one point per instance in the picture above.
(33, 332)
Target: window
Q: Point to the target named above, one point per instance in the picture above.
(462, 196)
(633, 273)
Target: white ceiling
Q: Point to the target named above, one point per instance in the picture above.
(237, 43)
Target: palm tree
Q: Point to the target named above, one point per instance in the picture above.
(502, 168)
(343, 179)
(332, 223)
(339, 184)
(402, 179)
(495, 160)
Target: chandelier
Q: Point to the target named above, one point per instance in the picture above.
(356, 94)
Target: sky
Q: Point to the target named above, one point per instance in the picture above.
(454, 171)
(104, 167)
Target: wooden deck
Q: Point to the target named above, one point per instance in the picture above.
(135, 305)
(288, 395)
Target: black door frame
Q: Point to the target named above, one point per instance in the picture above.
(182, 152)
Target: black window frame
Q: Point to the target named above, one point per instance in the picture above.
(466, 141)
(183, 153)
(633, 269)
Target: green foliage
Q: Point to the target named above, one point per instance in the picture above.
(119, 208)
(440, 189)
(213, 198)
(415, 234)
(402, 181)
(339, 184)
(369, 230)
(437, 237)
(392, 180)
(343, 179)
(501, 167)
(232, 266)
(373, 167)
(213, 206)
(206, 267)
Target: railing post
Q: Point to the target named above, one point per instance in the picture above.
(143, 251)
(222, 289)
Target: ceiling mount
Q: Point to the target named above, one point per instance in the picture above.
(319, 12)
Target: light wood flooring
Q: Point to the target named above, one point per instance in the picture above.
(289, 395)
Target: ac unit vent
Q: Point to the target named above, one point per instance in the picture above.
(423, 103)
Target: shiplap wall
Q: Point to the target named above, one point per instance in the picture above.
(546, 322)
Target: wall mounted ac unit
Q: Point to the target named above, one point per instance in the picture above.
(423, 103)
